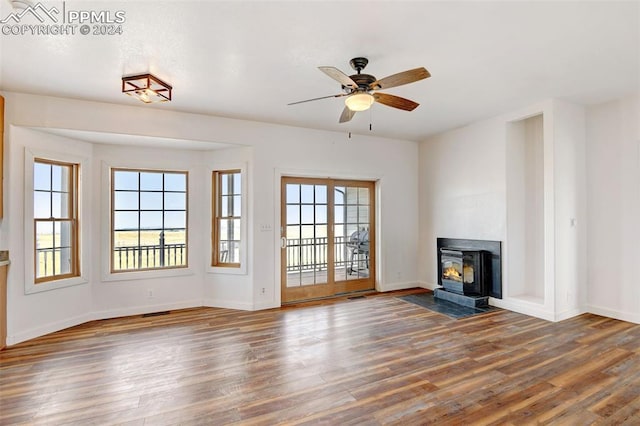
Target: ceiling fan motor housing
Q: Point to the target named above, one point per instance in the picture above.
(362, 80)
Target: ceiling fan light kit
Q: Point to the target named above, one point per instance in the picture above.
(361, 101)
(361, 90)
(147, 88)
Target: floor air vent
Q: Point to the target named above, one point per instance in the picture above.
(155, 314)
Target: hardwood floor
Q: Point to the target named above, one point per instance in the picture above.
(373, 360)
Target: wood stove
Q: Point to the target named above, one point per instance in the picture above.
(466, 272)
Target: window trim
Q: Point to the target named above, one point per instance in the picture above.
(83, 208)
(73, 189)
(111, 194)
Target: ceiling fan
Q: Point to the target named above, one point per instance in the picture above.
(361, 90)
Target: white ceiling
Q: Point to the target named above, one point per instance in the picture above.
(248, 60)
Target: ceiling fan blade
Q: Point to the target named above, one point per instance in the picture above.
(339, 76)
(395, 101)
(346, 115)
(401, 78)
(339, 95)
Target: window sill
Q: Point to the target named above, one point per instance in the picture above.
(54, 285)
(227, 270)
(145, 275)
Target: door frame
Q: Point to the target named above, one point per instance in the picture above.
(332, 287)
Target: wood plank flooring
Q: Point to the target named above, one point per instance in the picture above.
(367, 361)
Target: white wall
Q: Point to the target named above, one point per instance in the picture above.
(613, 236)
(265, 151)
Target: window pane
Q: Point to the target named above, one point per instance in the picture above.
(150, 220)
(307, 214)
(321, 214)
(44, 235)
(321, 194)
(41, 205)
(178, 236)
(293, 232)
(42, 176)
(352, 195)
(60, 179)
(60, 205)
(150, 181)
(224, 229)
(224, 206)
(175, 182)
(339, 192)
(306, 193)
(237, 206)
(237, 183)
(293, 215)
(66, 262)
(175, 201)
(236, 229)
(293, 194)
(125, 221)
(352, 214)
(125, 200)
(224, 184)
(62, 234)
(125, 238)
(150, 200)
(175, 220)
(363, 195)
(125, 180)
(338, 214)
(363, 214)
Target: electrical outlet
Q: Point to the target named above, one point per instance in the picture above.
(263, 290)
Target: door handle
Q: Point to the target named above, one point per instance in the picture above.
(283, 242)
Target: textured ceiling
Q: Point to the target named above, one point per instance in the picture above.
(248, 60)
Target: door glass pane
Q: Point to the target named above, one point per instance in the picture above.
(293, 194)
(352, 247)
(306, 252)
(306, 193)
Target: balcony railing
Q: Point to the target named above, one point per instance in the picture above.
(150, 256)
(303, 254)
(310, 254)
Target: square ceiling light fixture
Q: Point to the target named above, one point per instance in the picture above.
(147, 88)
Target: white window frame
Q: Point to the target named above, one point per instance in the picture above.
(107, 275)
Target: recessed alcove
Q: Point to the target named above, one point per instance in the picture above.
(525, 171)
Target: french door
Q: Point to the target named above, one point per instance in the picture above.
(327, 237)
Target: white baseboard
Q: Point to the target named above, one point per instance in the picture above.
(48, 328)
(428, 286)
(147, 309)
(523, 307)
(633, 317)
(259, 306)
(227, 304)
(570, 313)
(396, 286)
